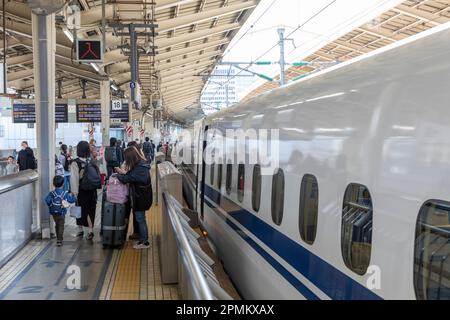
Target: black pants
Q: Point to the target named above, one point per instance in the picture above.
(59, 226)
(87, 200)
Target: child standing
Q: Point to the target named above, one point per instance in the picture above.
(58, 201)
(11, 167)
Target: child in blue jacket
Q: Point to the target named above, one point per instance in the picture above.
(58, 201)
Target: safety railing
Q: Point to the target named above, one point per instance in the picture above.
(197, 283)
(19, 214)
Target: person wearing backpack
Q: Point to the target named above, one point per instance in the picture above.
(113, 156)
(85, 180)
(137, 175)
(147, 149)
(58, 201)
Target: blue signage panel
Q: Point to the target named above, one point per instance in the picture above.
(24, 113)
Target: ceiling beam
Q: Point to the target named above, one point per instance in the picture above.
(187, 20)
(163, 43)
(189, 60)
(189, 50)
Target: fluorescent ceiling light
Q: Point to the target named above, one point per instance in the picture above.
(68, 34)
(95, 66)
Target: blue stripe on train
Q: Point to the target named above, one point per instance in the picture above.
(331, 281)
(308, 294)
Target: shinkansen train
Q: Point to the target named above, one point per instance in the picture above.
(358, 206)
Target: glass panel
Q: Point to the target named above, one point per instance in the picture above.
(309, 206)
(356, 232)
(277, 197)
(256, 187)
(241, 182)
(431, 252)
(229, 176)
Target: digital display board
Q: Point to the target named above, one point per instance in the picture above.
(24, 113)
(122, 114)
(91, 112)
(89, 50)
(61, 113)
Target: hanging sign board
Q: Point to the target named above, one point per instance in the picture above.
(26, 113)
(122, 114)
(89, 51)
(89, 112)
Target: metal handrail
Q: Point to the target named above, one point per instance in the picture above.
(198, 283)
(17, 180)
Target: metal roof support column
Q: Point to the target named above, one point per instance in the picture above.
(44, 47)
(105, 104)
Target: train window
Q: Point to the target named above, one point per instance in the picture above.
(356, 229)
(211, 174)
(228, 178)
(241, 182)
(431, 251)
(256, 187)
(277, 197)
(219, 176)
(309, 206)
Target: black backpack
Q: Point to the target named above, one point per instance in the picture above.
(147, 147)
(111, 155)
(90, 178)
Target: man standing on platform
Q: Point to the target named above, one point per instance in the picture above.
(26, 159)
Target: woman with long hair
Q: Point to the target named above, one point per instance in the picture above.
(137, 174)
(87, 199)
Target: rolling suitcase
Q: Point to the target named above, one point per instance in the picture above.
(114, 225)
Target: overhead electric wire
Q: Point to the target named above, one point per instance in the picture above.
(295, 30)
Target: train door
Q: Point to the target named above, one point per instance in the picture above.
(203, 169)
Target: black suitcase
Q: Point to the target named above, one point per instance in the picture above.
(114, 225)
(102, 211)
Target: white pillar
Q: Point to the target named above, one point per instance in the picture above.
(44, 47)
(105, 101)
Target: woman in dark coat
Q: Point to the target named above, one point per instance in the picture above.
(137, 175)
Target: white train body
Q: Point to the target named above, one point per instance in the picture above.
(382, 121)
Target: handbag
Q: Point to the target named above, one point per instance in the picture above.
(75, 212)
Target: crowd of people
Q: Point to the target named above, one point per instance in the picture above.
(78, 181)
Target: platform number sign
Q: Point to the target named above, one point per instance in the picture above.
(89, 50)
(116, 105)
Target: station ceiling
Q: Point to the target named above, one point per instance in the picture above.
(191, 37)
(406, 19)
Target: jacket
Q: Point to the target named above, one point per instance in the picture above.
(26, 159)
(75, 176)
(141, 194)
(58, 192)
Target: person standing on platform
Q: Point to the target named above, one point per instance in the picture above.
(66, 160)
(87, 197)
(26, 159)
(147, 150)
(58, 201)
(137, 174)
(113, 156)
(153, 150)
(11, 166)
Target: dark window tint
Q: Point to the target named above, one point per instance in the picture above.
(356, 232)
(229, 177)
(431, 251)
(278, 197)
(241, 182)
(256, 187)
(211, 174)
(309, 206)
(219, 176)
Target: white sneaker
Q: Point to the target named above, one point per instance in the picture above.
(141, 245)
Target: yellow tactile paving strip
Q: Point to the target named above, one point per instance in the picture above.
(127, 280)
